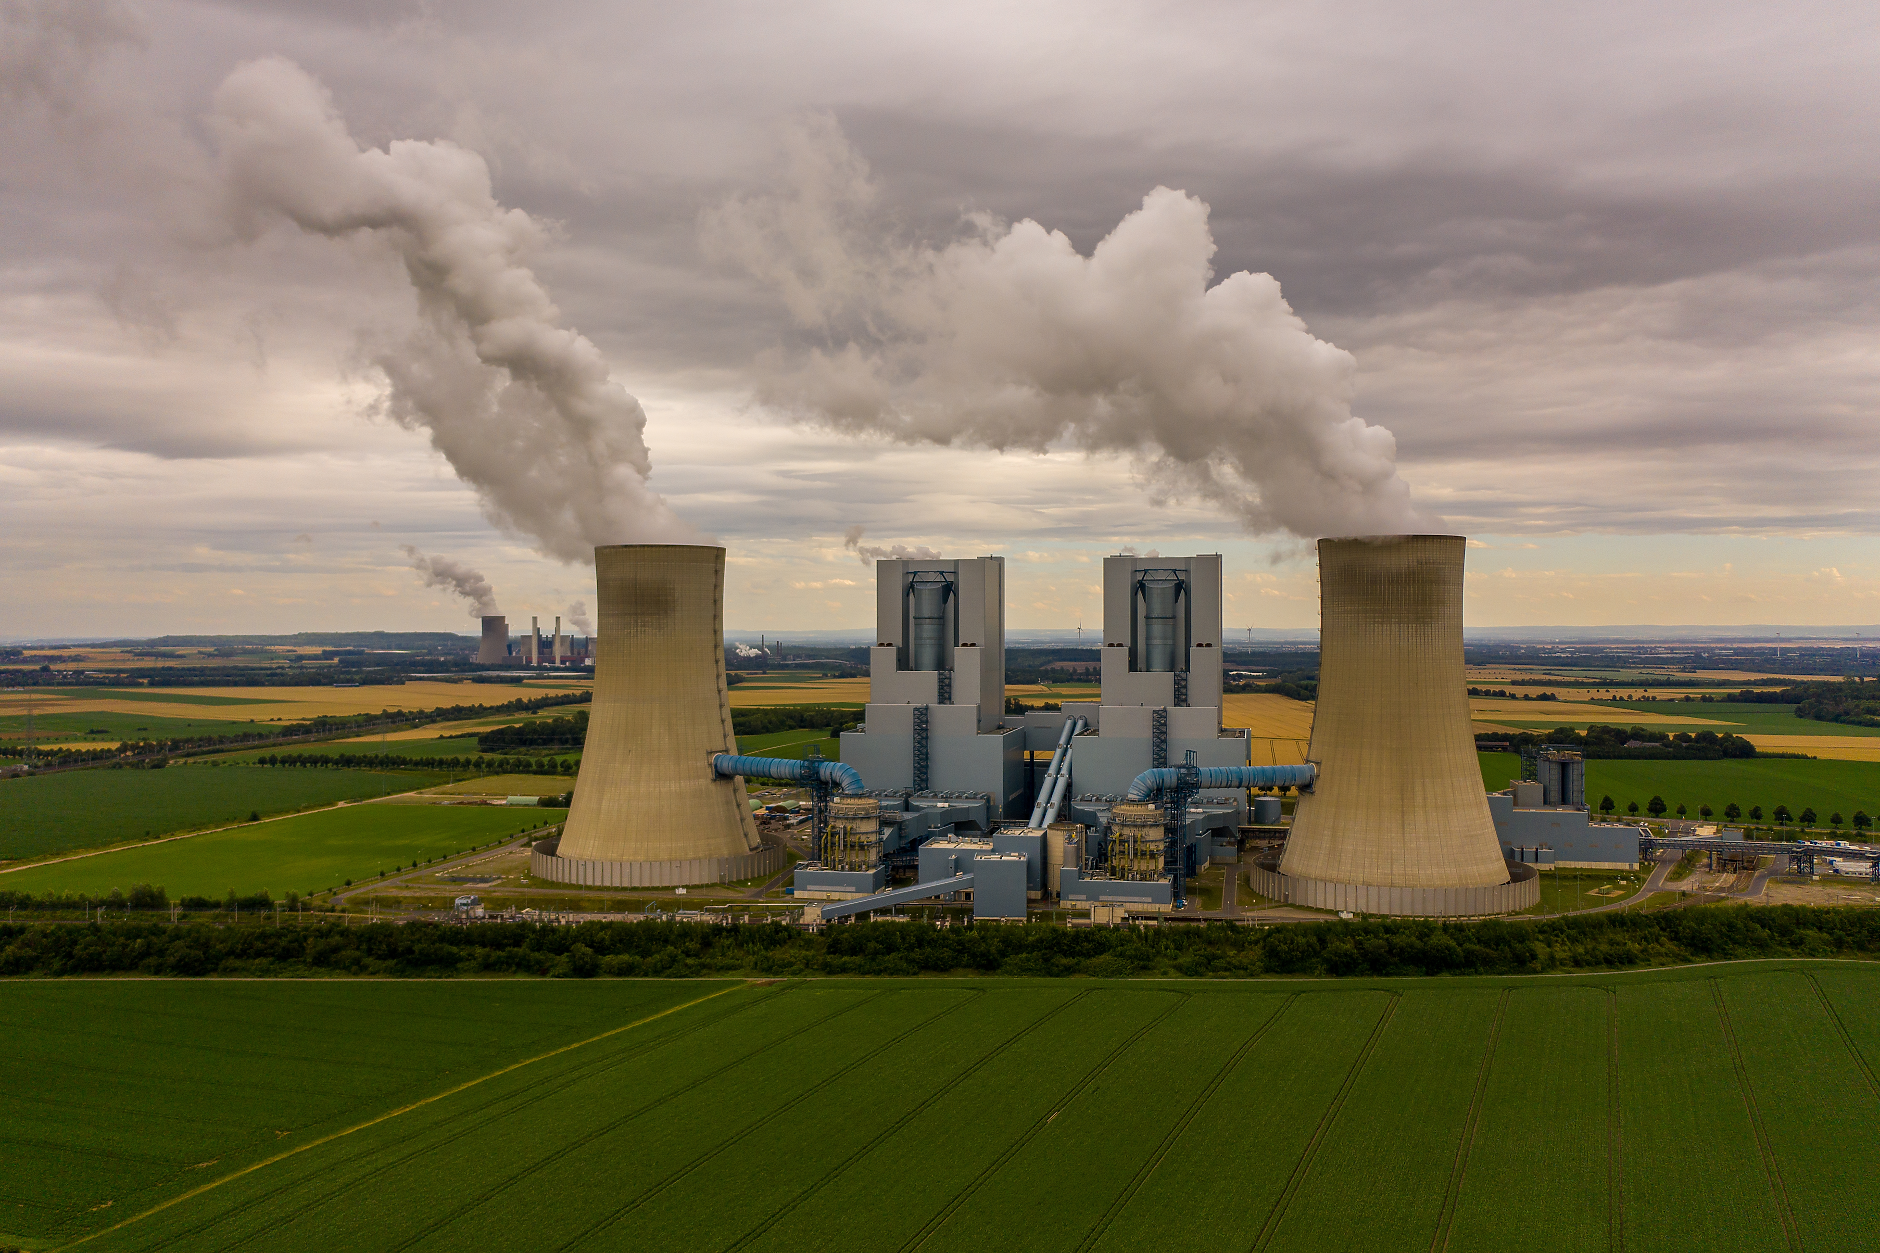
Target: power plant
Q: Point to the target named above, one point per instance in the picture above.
(649, 807)
(493, 649)
(1139, 790)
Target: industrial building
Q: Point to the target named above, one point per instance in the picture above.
(649, 807)
(1397, 821)
(493, 648)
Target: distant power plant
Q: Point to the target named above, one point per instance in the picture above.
(649, 809)
(494, 648)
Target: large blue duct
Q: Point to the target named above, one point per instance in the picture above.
(846, 778)
(1150, 782)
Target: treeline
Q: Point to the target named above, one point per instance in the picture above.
(788, 718)
(393, 761)
(1505, 694)
(1622, 743)
(1360, 947)
(545, 732)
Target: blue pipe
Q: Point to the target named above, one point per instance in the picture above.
(1150, 782)
(847, 778)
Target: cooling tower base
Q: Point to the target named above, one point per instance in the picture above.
(1522, 891)
(545, 864)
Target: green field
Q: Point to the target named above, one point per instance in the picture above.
(77, 809)
(419, 750)
(1827, 786)
(72, 727)
(1739, 719)
(302, 853)
(1704, 1109)
(793, 744)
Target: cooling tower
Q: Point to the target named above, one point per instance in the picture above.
(494, 650)
(648, 810)
(1397, 821)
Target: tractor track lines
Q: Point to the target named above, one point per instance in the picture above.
(1840, 1027)
(1012, 1150)
(595, 1228)
(1303, 1166)
(1615, 1131)
(940, 1093)
(1180, 1128)
(548, 1087)
(1764, 1147)
(1452, 1195)
(546, 1081)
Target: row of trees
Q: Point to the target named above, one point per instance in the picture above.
(1339, 948)
(394, 761)
(1733, 812)
(1606, 742)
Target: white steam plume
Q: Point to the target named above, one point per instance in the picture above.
(852, 540)
(522, 407)
(1011, 339)
(455, 576)
(577, 616)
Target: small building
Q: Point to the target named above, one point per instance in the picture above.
(1563, 835)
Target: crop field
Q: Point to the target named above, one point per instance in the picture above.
(1705, 1109)
(1827, 786)
(417, 749)
(303, 853)
(58, 813)
(262, 704)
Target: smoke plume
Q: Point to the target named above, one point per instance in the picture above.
(455, 576)
(521, 406)
(852, 540)
(1009, 338)
(577, 616)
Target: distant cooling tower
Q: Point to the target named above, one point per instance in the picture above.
(494, 650)
(648, 810)
(1398, 820)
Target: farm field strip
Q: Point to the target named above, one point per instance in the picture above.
(773, 1170)
(1261, 1119)
(942, 1114)
(1112, 1126)
(185, 1028)
(1677, 1081)
(1416, 1093)
(1546, 1112)
(415, 1158)
(1780, 1023)
(1772, 1170)
(976, 1123)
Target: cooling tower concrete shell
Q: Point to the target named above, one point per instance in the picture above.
(1399, 801)
(494, 648)
(648, 809)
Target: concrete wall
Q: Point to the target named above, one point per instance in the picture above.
(1522, 892)
(818, 884)
(545, 863)
(959, 758)
(1570, 833)
(1399, 801)
(646, 791)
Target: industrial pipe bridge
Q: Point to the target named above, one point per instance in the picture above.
(1801, 856)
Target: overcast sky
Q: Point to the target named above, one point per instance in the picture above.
(1606, 272)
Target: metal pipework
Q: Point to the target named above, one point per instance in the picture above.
(930, 590)
(1160, 590)
(1057, 775)
(833, 773)
(1150, 783)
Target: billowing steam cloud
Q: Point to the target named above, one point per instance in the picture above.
(852, 540)
(455, 576)
(521, 406)
(578, 618)
(1011, 339)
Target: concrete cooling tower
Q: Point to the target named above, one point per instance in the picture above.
(648, 810)
(1397, 821)
(494, 648)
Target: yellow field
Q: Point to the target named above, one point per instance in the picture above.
(774, 691)
(1832, 747)
(289, 704)
(508, 785)
(1575, 711)
(1281, 727)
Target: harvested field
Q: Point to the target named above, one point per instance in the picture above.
(274, 704)
(1694, 1109)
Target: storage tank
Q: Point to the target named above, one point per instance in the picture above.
(1063, 846)
(493, 650)
(1266, 811)
(648, 809)
(1137, 839)
(1398, 812)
